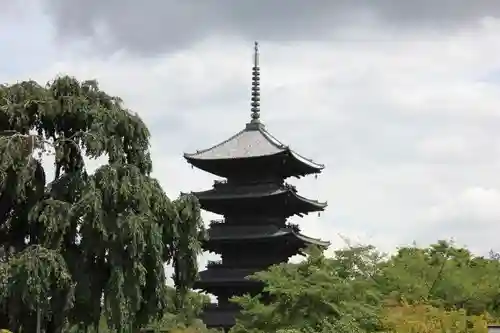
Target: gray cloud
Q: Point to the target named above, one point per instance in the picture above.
(407, 129)
(156, 26)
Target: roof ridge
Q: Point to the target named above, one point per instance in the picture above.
(281, 145)
(217, 145)
(283, 188)
(272, 139)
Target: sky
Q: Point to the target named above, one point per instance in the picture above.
(399, 99)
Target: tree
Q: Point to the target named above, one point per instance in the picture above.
(424, 318)
(432, 289)
(316, 295)
(185, 318)
(442, 275)
(82, 244)
(180, 320)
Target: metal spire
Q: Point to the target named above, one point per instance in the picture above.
(256, 86)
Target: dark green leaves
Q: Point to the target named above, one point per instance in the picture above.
(188, 234)
(36, 279)
(96, 243)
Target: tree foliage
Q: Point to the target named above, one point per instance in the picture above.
(174, 319)
(443, 275)
(425, 318)
(439, 288)
(316, 295)
(81, 244)
(185, 318)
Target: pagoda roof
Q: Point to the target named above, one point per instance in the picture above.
(228, 233)
(225, 275)
(254, 141)
(225, 192)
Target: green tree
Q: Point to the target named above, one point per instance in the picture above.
(185, 318)
(424, 318)
(174, 319)
(316, 295)
(442, 275)
(81, 245)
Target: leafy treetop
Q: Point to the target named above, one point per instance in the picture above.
(82, 244)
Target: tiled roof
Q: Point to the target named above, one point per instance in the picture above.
(227, 275)
(226, 191)
(227, 232)
(253, 141)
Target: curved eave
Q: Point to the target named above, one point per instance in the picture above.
(211, 277)
(282, 233)
(224, 167)
(312, 241)
(287, 164)
(314, 167)
(306, 161)
(319, 206)
(213, 195)
(195, 158)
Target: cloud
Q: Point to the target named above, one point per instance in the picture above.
(473, 204)
(404, 119)
(155, 26)
(469, 217)
(400, 125)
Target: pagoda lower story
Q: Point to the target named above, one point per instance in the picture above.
(248, 243)
(245, 251)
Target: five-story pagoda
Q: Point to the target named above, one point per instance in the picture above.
(255, 202)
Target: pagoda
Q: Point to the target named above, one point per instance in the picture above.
(256, 203)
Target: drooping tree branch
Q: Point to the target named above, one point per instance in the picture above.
(111, 230)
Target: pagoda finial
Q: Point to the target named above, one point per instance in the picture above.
(256, 86)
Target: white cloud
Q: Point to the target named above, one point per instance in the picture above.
(475, 205)
(405, 122)
(469, 217)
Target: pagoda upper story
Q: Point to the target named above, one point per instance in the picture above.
(256, 202)
(253, 153)
(255, 149)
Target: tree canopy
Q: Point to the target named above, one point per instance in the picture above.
(440, 288)
(81, 244)
(316, 295)
(358, 289)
